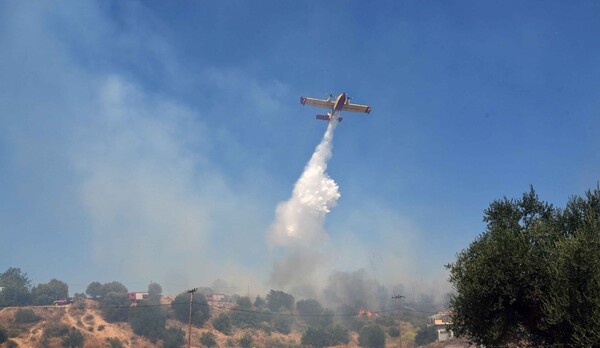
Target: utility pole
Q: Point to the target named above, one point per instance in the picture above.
(397, 298)
(191, 292)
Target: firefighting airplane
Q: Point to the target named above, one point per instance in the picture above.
(341, 103)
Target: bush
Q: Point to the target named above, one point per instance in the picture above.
(426, 335)
(208, 339)
(55, 329)
(173, 338)
(283, 324)
(114, 342)
(223, 324)
(73, 340)
(148, 321)
(12, 344)
(25, 316)
(3, 334)
(394, 331)
(246, 340)
(316, 337)
(115, 306)
(339, 334)
(371, 336)
(200, 308)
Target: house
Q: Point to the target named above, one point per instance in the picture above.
(440, 321)
(137, 296)
(215, 297)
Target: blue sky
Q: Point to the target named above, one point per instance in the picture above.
(153, 141)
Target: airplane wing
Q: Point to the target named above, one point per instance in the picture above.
(356, 108)
(318, 103)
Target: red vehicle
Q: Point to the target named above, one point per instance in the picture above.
(62, 302)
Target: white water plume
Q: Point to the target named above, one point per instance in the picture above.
(299, 221)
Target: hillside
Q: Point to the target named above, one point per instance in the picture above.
(55, 322)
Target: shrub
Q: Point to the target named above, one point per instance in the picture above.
(24, 316)
(208, 339)
(114, 342)
(339, 334)
(246, 340)
(200, 309)
(173, 338)
(55, 329)
(3, 334)
(394, 331)
(223, 324)
(12, 344)
(100, 327)
(283, 324)
(316, 337)
(73, 340)
(371, 336)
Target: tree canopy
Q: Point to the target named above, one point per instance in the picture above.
(16, 286)
(200, 308)
(276, 300)
(533, 276)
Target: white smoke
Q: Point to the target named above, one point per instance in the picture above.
(299, 221)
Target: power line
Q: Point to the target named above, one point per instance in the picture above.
(234, 309)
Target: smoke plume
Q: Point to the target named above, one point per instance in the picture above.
(298, 222)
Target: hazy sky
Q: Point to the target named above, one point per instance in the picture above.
(150, 140)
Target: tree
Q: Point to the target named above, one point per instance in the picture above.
(426, 335)
(45, 294)
(313, 313)
(200, 308)
(259, 302)
(154, 293)
(173, 338)
(533, 276)
(74, 339)
(115, 306)
(16, 286)
(246, 340)
(94, 290)
(208, 339)
(339, 334)
(371, 336)
(316, 337)
(112, 287)
(244, 302)
(3, 334)
(222, 323)
(276, 300)
(148, 320)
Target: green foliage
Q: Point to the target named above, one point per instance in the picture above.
(283, 324)
(426, 335)
(78, 301)
(25, 316)
(208, 339)
(148, 320)
(246, 340)
(313, 313)
(276, 300)
(73, 339)
(394, 331)
(323, 337)
(533, 275)
(16, 286)
(173, 338)
(154, 293)
(115, 306)
(56, 329)
(112, 287)
(259, 302)
(94, 290)
(3, 334)
(244, 302)
(200, 308)
(45, 294)
(114, 342)
(222, 323)
(316, 337)
(339, 334)
(371, 336)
